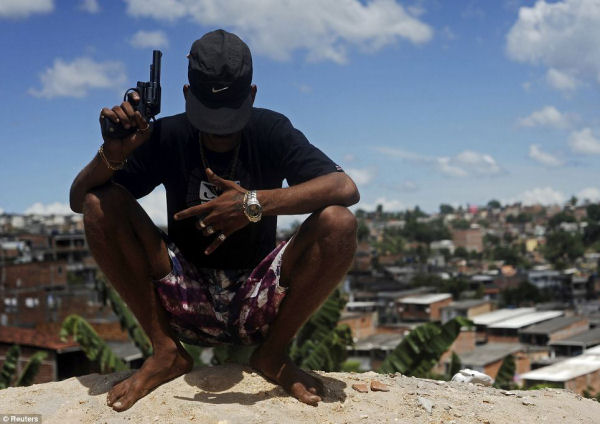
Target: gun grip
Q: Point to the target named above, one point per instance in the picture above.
(111, 130)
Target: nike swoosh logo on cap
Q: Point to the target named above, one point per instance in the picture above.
(218, 90)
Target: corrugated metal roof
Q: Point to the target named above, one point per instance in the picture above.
(426, 299)
(553, 325)
(568, 369)
(589, 338)
(527, 319)
(500, 314)
(488, 353)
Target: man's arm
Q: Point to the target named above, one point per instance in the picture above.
(336, 188)
(224, 214)
(97, 172)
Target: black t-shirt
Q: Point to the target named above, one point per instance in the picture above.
(271, 151)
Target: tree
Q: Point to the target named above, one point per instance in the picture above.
(321, 344)
(7, 374)
(506, 374)
(494, 204)
(455, 365)
(446, 209)
(524, 293)
(573, 201)
(562, 248)
(363, 231)
(422, 348)
(92, 345)
(126, 318)
(593, 212)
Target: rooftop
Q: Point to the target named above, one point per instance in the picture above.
(35, 338)
(490, 352)
(426, 299)
(589, 338)
(521, 321)
(383, 341)
(500, 315)
(568, 369)
(466, 304)
(553, 325)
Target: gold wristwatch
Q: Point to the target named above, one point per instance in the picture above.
(251, 206)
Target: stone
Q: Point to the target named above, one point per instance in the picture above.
(377, 386)
(426, 404)
(361, 387)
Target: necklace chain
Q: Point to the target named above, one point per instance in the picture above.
(233, 162)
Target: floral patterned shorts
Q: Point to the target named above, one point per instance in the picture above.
(209, 306)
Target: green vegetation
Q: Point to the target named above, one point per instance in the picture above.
(506, 374)
(422, 348)
(9, 368)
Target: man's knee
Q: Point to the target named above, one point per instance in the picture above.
(101, 205)
(339, 223)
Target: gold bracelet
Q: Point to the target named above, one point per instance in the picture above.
(118, 166)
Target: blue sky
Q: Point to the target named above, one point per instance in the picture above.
(422, 101)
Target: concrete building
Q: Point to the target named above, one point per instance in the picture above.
(484, 320)
(576, 345)
(426, 307)
(553, 330)
(372, 350)
(488, 358)
(466, 308)
(576, 374)
(470, 239)
(507, 331)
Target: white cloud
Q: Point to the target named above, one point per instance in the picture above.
(90, 6)
(468, 163)
(388, 205)
(155, 205)
(589, 193)
(548, 116)
(24, 8)
(286, 221)
(561, 35)
(360, 176)
(324, 29)
(537, 154)
(55, 208)
(584, 142)
(540, 195)
(1, 211)
(561, 80)
(146, 39)
(74, 79)
(465, 164)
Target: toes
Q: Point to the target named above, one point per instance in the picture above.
(115, 393)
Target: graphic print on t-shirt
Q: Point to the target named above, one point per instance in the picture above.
(209, 191)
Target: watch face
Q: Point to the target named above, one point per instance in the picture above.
(254, 210)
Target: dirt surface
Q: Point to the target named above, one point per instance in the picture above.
(234, 394)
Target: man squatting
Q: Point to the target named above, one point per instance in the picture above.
(218, 276)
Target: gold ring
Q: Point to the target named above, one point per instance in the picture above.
(210, 230)
(222, 237)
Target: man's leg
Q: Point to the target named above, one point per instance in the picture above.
(131, 253)
(313, 264)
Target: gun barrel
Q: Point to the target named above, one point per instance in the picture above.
(155, 67)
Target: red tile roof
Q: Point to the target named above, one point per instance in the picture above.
(31, 337)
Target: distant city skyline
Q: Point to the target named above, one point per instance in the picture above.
(422, 102)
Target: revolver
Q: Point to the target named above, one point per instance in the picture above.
(148, 106)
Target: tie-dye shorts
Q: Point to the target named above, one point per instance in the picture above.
(209, 307)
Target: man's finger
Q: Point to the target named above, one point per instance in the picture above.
(193, 211)
(215, 179)
(216, 243)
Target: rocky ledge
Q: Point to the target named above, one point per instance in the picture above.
(234, 394)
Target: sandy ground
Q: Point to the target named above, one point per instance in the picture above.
(233, 394)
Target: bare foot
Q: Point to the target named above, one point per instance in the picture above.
(158, 369)
(283, 371)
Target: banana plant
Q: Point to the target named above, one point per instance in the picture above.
(10, 366)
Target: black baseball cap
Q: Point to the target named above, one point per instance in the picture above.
(220, 77)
